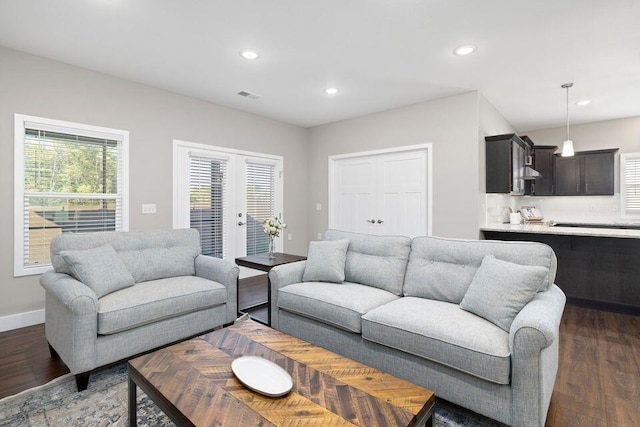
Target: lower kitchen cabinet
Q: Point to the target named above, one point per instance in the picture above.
(600, 272)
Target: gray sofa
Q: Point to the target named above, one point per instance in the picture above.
(398, 310)
(113, 295)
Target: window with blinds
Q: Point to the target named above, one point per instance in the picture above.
(261, 196)
(630, 184)
(208, 203)
(71, 182)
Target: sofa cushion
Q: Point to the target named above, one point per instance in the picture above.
(442, 269)
(441, 332)
(148, 255)
(325, 261)
(378, 261)
(340, 305)
(101, 269)
(500, 289)
(149, 302)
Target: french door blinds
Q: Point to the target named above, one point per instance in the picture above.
(208, 203)
(260, 203)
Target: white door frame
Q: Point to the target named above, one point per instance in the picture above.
(180, 215)
(428, 147)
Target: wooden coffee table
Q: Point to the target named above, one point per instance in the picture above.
(193, 384)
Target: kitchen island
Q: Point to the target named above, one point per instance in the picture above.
(597, 267)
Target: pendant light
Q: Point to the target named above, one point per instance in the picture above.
(567, 146)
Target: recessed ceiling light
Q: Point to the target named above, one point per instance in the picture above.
(331, 90)
(464, 50)
(583, 102)
(249, 54)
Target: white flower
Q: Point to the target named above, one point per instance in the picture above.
(273, 226)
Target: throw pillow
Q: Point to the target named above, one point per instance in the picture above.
(99, 268)
(500, 289)
(325, 261)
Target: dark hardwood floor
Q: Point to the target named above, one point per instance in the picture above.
(598, 382)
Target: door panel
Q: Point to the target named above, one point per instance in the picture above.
(389, 194)
(257, 179)
(226, 196)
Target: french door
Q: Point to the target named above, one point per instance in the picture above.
(383, 193)
(226, 195)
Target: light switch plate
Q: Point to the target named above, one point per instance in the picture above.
(149, 208)
(318, 207)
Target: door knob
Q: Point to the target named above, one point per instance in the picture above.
(241, 223)
(371, 221)
(380, 221)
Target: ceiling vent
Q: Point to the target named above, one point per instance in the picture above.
(249, 95)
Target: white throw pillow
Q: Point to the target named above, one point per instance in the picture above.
(500, 289)
(325, 261)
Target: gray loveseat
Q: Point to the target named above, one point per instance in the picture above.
(113, 295)
(398, 310)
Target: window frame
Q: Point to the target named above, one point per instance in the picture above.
(20, 122)
(623, 194)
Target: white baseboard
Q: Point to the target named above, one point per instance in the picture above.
(21, 320)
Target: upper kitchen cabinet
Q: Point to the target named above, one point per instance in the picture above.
(588, 173)
(543, 163)
(505, 164)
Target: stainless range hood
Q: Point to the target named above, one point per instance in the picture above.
(531, 173)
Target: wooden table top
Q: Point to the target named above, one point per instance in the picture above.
(264, 263)
(193, 383)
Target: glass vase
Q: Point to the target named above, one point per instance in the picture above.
(272, 247)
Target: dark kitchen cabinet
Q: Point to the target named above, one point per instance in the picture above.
(543, 163)
(601, 272)
(588, 173)
(598, 173)
(566, 176)
(505, 164)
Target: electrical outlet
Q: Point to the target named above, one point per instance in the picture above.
(319, 236)
(318, 207)
(289, 236)
(149, 208)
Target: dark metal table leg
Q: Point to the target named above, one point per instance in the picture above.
(133, 404)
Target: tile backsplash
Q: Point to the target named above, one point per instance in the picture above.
(585, 209)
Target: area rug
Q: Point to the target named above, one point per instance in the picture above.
(104, 403)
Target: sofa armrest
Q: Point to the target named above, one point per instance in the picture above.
(224, 272)
(71, 320)
(280, 276)
(534, 343)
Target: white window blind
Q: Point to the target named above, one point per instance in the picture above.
(208, 203)
(630, 184)
(261, 196)
(72, 182)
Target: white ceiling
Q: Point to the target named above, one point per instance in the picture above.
(382, 54)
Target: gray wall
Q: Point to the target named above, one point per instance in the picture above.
(40, 87)
(450, 124)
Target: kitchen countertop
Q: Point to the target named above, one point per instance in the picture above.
(569, 231)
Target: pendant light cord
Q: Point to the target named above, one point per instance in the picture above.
(567, 86)
(568, 139)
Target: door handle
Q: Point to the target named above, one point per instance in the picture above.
(372, 221)
(380, 221)
(241, 223)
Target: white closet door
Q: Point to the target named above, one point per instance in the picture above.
(384, 194)
(401, 194)
(353, 196)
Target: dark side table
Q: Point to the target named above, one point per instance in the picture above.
(263, 263)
